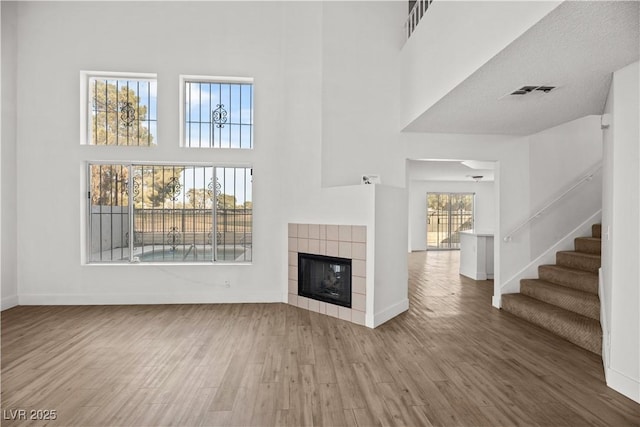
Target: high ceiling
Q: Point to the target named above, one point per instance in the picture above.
(450, 170)
(576, 48)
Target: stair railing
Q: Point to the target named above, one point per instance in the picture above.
(585, 178)
(416, 15)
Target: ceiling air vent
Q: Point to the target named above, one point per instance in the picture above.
(528, 89)
(546, 89)
(524, 90)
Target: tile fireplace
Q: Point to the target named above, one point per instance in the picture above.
(328, 255)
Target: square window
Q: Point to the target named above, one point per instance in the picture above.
(216, 112)
(119, 109)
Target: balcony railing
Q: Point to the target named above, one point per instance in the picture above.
(416, 14)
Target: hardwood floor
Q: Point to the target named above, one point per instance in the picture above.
(450, 360)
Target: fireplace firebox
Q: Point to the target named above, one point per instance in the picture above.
(325, 278)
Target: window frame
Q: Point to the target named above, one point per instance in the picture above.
(85, 103)
(88, 223)
(188, 78)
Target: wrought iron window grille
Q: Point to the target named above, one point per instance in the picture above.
(172, 212)
(120, 109)
(216, 112)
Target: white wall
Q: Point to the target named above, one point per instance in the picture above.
(475, 30)
(302, 70)
(8, 223)
(485, 207)
(558, 157)
(606, 276)
(360, 102)
(302, 116)
(56, 41)
(621, 219)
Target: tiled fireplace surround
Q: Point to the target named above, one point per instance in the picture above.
(344, 241)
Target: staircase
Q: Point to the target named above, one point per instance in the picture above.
(564, 299)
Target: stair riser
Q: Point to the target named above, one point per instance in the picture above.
(588, 246)
(596, 230)
(587, 305)
(576, 261)
(580, 282)
(548, 322)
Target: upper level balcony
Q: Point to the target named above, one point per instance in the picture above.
(462, 60)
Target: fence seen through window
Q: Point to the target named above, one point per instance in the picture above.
(170, 213)
(447, 215)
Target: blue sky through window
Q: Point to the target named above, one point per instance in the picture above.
(218, 114)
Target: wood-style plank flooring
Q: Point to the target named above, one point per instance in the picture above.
(451, 359)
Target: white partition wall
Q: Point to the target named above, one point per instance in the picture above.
(620, 234)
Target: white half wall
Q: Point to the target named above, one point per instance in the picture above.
(485, 206)
(621, 234)
(382, 209)
(8, 221)
(391, 269)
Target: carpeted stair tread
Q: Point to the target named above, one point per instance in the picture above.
(573, 300)
(578, 260)
(576, 328)
(590, 245)
(570, 277)
(596, 230)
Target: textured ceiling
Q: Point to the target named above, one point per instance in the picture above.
(576, 47)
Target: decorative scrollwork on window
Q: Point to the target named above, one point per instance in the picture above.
(219, 199)
(174, 237)
(127, 114)
(210, 237)
(220, 116)
(174, 188)
(136, 187)
(210, 190)
(215, 190)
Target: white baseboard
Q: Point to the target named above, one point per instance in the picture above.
(478, 275)
(496, 301)
(128, 299)
(604, 325)
(621, 383)
(8, 302)
(390, 312)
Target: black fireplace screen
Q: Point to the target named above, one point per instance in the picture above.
(325, 278)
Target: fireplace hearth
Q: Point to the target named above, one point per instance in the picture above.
(325, 278)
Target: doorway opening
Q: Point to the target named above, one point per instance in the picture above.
(447, 215)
